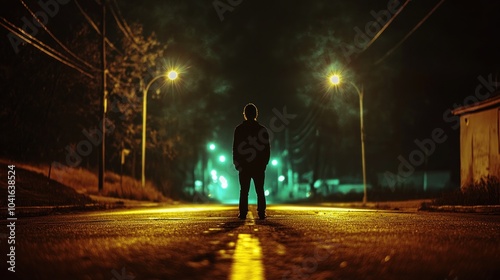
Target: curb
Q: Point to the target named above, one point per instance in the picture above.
(30, 211)
(33, 211)
(489, 209)
(410, 205)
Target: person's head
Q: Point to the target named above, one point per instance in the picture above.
(250, 112)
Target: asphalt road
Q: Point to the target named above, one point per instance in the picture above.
(209, 242)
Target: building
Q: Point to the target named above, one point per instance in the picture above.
(479, 140)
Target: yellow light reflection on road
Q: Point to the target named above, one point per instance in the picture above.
(315, 208)
(247, 259)
(173, 209)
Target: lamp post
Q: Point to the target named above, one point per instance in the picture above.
(335, 80)
(172, 75)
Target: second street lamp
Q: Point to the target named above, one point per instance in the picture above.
(335, 80)
(172, 75)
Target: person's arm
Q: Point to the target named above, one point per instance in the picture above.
(236, 156)
(267, 147)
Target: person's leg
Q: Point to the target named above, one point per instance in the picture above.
(258, 179)
(244, 188)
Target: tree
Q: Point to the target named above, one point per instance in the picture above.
(129, 71)
(180, 120)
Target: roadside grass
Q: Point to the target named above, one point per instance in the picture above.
(485, 191)
(31, 189)
(86, 182)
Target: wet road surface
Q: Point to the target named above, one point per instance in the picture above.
(295, 242)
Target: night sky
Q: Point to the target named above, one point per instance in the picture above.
(278, 54)
(265, 49)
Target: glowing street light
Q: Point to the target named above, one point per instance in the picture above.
(211, 146)
(335, 80)
(172, 75)
(274, 162)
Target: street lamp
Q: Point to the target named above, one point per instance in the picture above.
(172, 75)
(335, 80)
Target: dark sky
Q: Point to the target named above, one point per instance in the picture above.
(269, 50)
(276, 54)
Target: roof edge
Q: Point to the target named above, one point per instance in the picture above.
(479, 106)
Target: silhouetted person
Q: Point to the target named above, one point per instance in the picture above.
(251, 151)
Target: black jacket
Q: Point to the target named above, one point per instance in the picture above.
(251, 148)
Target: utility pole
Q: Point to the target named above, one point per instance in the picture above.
(362, 128)
(102, 150)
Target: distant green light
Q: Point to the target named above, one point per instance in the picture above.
(211, 146)
(266, 193)
(274, 162)
(281, 178)
(222, 159)
(214, 175)
(223, 182)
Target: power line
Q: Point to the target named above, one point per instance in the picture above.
(385, 26)
(57, 40)
(410, 33)
(95, 27)
(87, 17)
(122, 26)
(125, 24)
(41, 46)
(108, 42)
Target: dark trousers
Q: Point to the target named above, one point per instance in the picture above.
(258, 180)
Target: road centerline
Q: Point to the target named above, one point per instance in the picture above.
(251, 220)
(247, 259)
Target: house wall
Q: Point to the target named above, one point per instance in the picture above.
(479, 145)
